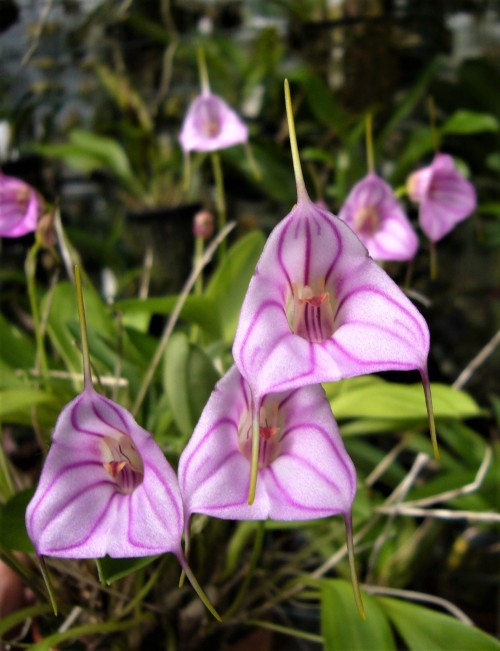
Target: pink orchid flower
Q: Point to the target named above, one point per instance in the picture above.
(445, 197)
(20, 207)
(304, 469)
(375, 215)
(211, 124)
(105, 487)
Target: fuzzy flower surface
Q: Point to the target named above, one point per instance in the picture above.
(211, 124)
(304, 470)
(375, 215)
(444, 196)
(20, 207)
(319, 309)
(105, 487)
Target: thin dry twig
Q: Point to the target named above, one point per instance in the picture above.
(476, 362)
(38, 33)
(440, 514)
(422, 597)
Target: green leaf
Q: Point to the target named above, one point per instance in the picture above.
(228, 285)
(390, 400)
(200, 310)
(470, 122)
(424, 629)
(15, 401)
(13, 534)
(341, 626)
(189, 378)
(112, 569)
(17, 349)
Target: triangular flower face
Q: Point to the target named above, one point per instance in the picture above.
(444, 195)
(105, 488)
(372, 211)
(319, 309)
(211, 124)
(20, 207)
(304, 470)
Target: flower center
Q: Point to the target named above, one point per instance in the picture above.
(366, 220)
(22, 198)
(123, 462)
(270, 427)
(210, 120)
(310, 312)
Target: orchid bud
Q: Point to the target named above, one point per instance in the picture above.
(203, 225)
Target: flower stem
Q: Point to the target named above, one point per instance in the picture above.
(87, 373)
(198, 589)
(370, 156)
(203, 72)
(48, 583)
(430, 412)
(297, 167)
(255, 451)
(352, 565)
(220, 198)
(30, 269)
(432, 120)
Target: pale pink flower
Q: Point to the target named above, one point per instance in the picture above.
(444, 196)
(375, 215)
(211, 124)
(20, 207)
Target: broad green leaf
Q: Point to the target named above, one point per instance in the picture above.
(228, 285)
(341, 625)
(13, 534)
(391, 400)
(189, 378)
(17, 349)
(112, 569)
(470, 122)
(427, 630)
(13, 401)
(200, 310)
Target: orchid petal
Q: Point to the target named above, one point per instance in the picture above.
(82, 510)
(368, 324)
(308, 475)
(372, 211)
(211, 124)
(20, 207)
(445, 196)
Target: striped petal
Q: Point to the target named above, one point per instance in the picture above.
(319, 309)
(105, 488)
(305, 471)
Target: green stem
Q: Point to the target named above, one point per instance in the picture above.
(198, 589)
(220, 198)
(254, 559)
(432, 119)
(30, 269)
(430, 413)
(285, 630)
(352, 565)
(87, 372)
(297, 168)
(370, 156)
(254, 470)
(141, 594)
(48, 584)
(174, 315)
(203, 71)
(199, 245)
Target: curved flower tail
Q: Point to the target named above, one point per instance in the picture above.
(255, 449)
(430, 411)
(197, 587)
(352, 565)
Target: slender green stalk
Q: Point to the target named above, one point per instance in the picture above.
(254, 559)
(286, 630)
(198, 589)
(87, 372)
(255, 451)
(220, 197)
(48, 584)
(370, 156)
(203, 71)
(30, 269)
(297, 168)
(199, 245)
(352, 565)
(141, 594)
(174, 315)
(430, 413)
(432, 120)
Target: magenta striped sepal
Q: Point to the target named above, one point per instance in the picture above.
(304, 470)
(319, 309)
(105, 488)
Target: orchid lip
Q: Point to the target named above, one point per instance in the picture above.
(271, 431)
(310, 313)
(123, 462)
